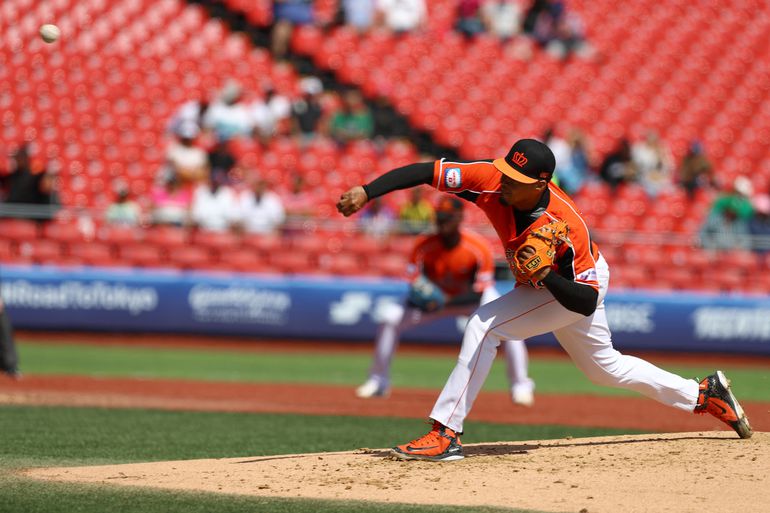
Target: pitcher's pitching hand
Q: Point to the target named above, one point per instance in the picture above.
(352, 201)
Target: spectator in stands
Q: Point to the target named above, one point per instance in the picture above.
(123, 211)
(696, 171)
(759, 225)
(269, 113)
(502, 18)
(569, 37)
(31, 188)
(307, 111)
(298, 201)
(652, 160)
(560, 148)
(286, 15)
(171, 202)
(192, 111)
(184, 159)
(727, 225)
(574, 173)
(221, 161)
(214, 205)
(262, 209)
(618, 167)
(377, 219)
(469, 18)
(537, 10)
(542, 19)
(401, 16)
(228, 116)
(416, 215)
(353, 121)
(359, 14)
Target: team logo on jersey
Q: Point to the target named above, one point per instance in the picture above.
(453, 178)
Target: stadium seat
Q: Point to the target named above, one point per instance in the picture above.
(19, 229)
(192, 258)
(141, 255)
(91, 253)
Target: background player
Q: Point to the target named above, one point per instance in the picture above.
(9, 360)
(460, 265)
(565, 297)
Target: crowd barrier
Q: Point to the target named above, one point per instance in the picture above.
(337, 309)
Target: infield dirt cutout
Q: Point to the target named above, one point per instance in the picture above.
(680, 472)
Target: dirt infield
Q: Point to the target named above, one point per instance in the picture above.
(636, 413)
(677, 473)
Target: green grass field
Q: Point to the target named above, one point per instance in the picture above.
(553, 376)
(56, 436)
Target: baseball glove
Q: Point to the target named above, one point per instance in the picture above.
(425, 295)
(543, 241)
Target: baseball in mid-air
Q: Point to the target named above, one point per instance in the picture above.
(50, 32)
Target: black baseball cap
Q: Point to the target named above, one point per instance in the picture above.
(528, 161)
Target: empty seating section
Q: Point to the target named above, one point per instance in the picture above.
(96, 104)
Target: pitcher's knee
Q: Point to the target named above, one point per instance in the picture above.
(605, 373)
(603, 377)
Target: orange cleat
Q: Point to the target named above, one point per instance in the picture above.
(440, 444)
(716, 398)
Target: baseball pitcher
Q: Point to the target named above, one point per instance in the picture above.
(562, 280)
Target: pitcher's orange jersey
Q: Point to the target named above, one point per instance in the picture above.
(467, 266)
(479, 181)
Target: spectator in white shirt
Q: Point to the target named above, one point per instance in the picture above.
(653, 162)
(186, 161)
(191, 111)
(228, 117)
(269, 112)
(402, 15)
(214, 206)
(502, 18)
(261, 208)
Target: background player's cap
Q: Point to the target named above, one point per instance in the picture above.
(528, 161)
(447, 207)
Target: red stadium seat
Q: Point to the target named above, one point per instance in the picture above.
(245, 260)
(191, 258)
(219, 241)
(292, 262)
(169, 237)
(92, 253)
(19, 229)
(63, 232)
(41, 251)
(141, 255)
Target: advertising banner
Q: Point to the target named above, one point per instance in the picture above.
(50, 298)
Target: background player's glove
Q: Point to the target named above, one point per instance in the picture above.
(425, 295)
(543, 242)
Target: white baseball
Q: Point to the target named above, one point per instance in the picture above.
(50, 32)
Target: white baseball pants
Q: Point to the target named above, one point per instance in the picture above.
(525, 312)
(401, 318)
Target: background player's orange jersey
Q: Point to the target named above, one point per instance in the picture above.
(467, 266)
(480, 181)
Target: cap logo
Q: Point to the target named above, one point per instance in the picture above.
(519, 159)
(544, 174)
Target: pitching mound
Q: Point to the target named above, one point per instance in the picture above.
(682, 472)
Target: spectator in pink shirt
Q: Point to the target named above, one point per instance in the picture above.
(171, 203)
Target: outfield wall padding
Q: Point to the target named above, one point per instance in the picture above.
(123, 300)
